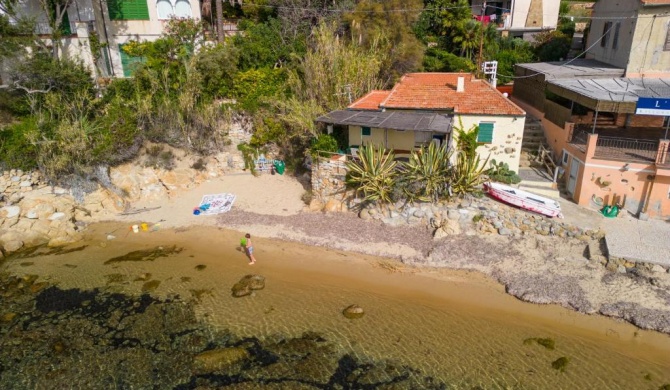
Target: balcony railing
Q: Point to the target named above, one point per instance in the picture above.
(618, 148)
(626, 149)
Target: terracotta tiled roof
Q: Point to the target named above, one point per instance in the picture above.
(437, 91)
(370, 101)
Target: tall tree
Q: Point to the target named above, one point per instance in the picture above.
(389, 23)
(56, 12)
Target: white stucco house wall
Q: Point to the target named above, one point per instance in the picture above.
(114, 23)
(427, 107)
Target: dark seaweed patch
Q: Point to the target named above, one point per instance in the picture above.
(146, 255)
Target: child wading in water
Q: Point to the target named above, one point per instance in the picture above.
(249, 248)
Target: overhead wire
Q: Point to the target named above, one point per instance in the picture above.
(568, 62)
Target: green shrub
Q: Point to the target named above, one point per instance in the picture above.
(323, 143)
(249, 154)
(374, 174)
(427, 173)
(16, 151)
(438, 60)
(500, 172)
(199, 165)
(255, 88)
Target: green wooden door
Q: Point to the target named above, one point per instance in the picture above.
(129, 63)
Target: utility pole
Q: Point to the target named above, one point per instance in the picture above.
(481, 37)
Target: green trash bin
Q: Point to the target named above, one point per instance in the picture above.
(279, 167)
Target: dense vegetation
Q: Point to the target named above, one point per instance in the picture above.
(293, 62)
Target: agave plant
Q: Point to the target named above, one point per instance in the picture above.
(468, 173)
(374, 174)
(426, 175)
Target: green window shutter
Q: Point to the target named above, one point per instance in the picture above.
(366, 131)
(128, 9)
(65, 25)
(129, 63)
(65, 21)
(485, 134)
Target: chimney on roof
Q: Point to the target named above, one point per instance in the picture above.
(460, 86)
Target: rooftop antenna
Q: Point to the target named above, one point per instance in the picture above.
(491, 68)
(347, 91)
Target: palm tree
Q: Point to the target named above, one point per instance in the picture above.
(467, 36)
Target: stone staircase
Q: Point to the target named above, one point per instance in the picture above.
(534, 176)
(533, 136)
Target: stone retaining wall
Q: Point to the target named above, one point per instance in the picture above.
(328, 178)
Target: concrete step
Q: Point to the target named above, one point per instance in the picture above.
(542, 191)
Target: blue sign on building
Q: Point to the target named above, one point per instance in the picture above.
(653, 106)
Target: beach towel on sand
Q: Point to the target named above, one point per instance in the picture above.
(216, 203)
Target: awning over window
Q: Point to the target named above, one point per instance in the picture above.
(395, 120)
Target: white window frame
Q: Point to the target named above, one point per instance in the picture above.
(564, 158)
(173, 14)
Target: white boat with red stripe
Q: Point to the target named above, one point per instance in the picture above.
(525, 200)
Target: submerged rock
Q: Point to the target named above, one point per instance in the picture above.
(218, 359)
(247, 284)
(353, 312)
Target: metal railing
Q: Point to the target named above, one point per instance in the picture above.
(618, 148)
(626, 149)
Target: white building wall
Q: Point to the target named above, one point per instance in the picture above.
(641, 40)
(507, 136)
(608, 54)
(120, 32)
(87, 15)
(648, 57)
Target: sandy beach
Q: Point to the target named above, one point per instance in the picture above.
(446, 324)
(535, 269)
(436, 311)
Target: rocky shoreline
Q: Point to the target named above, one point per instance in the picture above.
(538, 260)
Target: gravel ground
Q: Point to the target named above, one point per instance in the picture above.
(343, 231)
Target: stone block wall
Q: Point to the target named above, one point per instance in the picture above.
(328, 178)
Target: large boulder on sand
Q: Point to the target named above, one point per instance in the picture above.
(353, 312)
(332, 206)
(247, 284)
